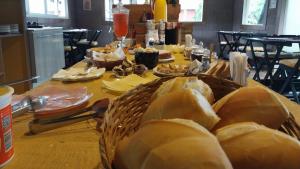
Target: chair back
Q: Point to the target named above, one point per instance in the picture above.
(95, 36)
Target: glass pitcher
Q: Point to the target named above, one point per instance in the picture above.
(120, 21)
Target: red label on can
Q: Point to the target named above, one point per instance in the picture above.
(6, 138)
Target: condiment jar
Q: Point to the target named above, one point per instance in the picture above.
(197, 53)
(206, 59)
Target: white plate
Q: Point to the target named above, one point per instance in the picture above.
(172, 58)
(161, 74)
(67, 75)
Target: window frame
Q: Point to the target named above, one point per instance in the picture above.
(50, 16)
(203, 16)
(257, 26)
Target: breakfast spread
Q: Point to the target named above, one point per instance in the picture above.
(150, 84)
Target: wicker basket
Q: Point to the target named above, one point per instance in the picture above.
(107, 65)
(124, 114)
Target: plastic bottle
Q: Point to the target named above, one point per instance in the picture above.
(160, 10)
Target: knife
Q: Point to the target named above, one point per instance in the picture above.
(97, 110)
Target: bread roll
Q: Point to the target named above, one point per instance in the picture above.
(184, 104)
(251, 104)
(180, 83)
(171, 144)
(250, 146)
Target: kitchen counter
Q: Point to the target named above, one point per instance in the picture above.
(46, 51)
(44, 28)
(75, 146)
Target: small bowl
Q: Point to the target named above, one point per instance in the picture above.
(150, 60)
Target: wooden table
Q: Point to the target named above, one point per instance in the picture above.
(233, 40)
(75, 146)
(279, 43)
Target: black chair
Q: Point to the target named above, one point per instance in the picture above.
(90, 42)
(290, 71)
(70, 47)
(226, 43)
(244, 45)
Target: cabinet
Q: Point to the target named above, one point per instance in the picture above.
(14, 61)
(46, 50)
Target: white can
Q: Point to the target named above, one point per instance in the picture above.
(6, 136)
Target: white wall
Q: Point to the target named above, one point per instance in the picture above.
(291, 22)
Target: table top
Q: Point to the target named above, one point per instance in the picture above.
(276, 40)
(74, 30)
(238, 33)
(77, 145)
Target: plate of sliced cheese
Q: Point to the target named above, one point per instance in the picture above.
(127, 83)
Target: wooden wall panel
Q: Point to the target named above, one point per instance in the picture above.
(15, 62)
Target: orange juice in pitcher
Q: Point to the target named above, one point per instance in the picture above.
(159, 10)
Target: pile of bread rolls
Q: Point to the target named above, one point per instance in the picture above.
(184, 128)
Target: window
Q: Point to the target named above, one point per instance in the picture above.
(110, 3)
(191, 11)
(255, 12)
(47, 8)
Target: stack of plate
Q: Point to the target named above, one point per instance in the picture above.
(14, 28)
(4, 28)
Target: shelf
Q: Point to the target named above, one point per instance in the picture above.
(10, 35)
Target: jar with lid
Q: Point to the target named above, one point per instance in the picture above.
(206, 59)
(197, 53)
